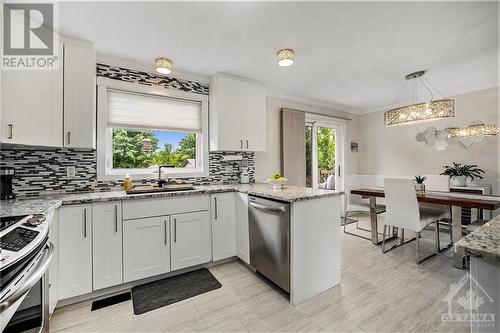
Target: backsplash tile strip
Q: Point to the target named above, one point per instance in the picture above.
(43, 170)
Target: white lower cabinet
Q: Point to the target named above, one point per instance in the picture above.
(242, 234)
(223, 225)
(146, 247)
(107, 244)
(75, 250)
(190, 239)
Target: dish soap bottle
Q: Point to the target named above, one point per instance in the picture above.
(127, 183)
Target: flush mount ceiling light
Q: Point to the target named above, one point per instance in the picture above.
(472, 130)
(419, 112)
(163, 65)
(285, 57)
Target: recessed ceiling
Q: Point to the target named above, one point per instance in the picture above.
(351, 55)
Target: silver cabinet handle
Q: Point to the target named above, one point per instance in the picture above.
(85, 222)
(69, 137)
(247, 143)
(175, 230)
(11, 131)
(241, 144)
(216, 208)
(116, 218)
(165, 222)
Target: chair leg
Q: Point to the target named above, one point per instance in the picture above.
(417, 237)
(451, 232)
(345, 220)
(438, 245)
(402, 236)
(383, 239)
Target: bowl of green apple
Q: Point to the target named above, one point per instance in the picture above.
(277, 181)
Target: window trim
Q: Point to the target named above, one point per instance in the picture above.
(104, 134)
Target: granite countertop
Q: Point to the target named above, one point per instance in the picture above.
(483, 243)
(45, 203)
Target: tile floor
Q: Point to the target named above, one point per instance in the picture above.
(378, 293)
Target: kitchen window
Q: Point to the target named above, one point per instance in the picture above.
(141, 128)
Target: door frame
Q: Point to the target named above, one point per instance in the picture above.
(338, 125)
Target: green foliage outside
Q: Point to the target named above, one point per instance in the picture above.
(129, 152)
(326, 151)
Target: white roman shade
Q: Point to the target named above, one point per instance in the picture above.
(132, 110)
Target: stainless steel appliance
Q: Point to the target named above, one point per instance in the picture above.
(6, 175)
(269, 227)
(24, 261)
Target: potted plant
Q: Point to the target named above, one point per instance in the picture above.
(459, 173)
(419, 184)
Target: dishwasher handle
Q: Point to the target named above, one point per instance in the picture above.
(280, 210)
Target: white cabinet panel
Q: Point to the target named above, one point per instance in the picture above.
(75, 250)
(237, 115)
(54, 265)
(191, 241)
(242, 235)
(146, 247)
(133, 209)
(32, 106)
(79, 94)
(107, 244)
(223, 226)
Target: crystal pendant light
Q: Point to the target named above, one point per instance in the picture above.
(472, 130)
(419, 112)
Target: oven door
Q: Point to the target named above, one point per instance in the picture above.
(24, 305)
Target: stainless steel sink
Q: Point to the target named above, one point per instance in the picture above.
(157, 189)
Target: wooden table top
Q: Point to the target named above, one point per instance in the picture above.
(455, 200)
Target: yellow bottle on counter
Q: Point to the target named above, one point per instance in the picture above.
(127, 183)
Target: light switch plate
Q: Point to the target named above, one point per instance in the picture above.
(70, 171)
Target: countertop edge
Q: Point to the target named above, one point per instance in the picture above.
(483, 243)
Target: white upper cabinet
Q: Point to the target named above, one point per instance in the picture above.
(223, 226)
(237, 115)
(32, 106)
(79, 94)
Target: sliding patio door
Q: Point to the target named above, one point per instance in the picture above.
(324, 155)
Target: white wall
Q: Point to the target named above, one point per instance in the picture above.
(268, 163)
(394, 151)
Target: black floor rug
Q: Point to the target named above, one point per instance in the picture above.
(156, 294)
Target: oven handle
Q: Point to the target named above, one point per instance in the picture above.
(39, 271)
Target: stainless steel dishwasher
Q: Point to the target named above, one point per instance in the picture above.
(269, 227)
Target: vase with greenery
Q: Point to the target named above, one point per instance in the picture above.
(419, 184)
(460, 173)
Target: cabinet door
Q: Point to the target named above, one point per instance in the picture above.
(223, 226)
(32, 108)
(54, 265)
(146, 247)
(75, 250)
(191, 241)
(242, 235)
(79, 94)
(107, 244)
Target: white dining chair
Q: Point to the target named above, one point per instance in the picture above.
(439, 183)
(360, 206)
(403, 211)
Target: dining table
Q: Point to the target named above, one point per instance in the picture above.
(455, 200)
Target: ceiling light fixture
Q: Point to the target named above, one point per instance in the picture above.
(419, 112)
(285, 57)
(163, 65)
(472, 131)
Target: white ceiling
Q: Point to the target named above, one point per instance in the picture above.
(350, 55)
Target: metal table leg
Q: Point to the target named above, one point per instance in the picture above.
(373, 219)
(456, 222)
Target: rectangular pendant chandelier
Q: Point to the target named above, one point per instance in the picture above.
(420, 113)
(472, 131)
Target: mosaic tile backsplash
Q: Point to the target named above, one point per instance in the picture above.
(43, 171)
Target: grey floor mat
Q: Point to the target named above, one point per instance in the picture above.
(154, 295)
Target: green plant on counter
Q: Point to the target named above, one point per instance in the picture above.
(468, 170)
(420, 179)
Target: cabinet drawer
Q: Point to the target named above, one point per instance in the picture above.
(133, 209)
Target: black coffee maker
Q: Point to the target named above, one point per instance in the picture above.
(6, 175)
